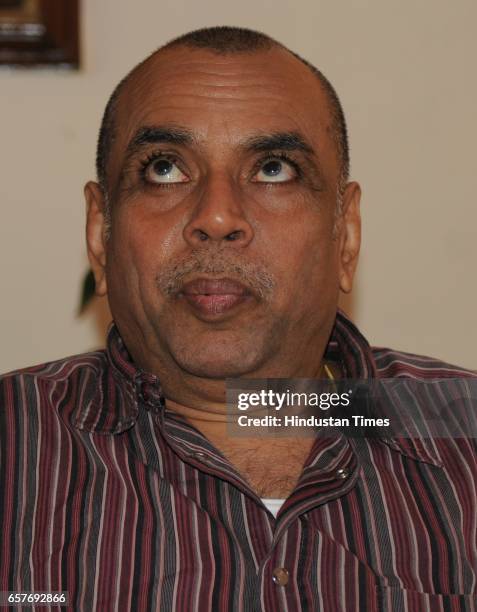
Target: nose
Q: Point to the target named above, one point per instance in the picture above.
(219, 216)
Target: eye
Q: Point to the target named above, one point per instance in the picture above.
(163, 170)
(275, 170)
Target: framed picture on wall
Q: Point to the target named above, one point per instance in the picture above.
(39, 33)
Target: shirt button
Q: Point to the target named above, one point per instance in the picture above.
(199, 455)
(342, 473)
(280, 576)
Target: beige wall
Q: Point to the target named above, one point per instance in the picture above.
(406, 74)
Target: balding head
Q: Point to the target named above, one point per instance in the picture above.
(221, 41)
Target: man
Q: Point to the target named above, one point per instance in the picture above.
(222, 228)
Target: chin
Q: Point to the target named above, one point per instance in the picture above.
(218, 362)
(217, 371)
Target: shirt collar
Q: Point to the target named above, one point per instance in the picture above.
(351, 350)
(113, 404)
(348, 347)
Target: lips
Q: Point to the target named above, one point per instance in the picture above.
(215, 296)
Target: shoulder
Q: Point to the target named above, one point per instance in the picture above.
(436, 388)
(86, 366)
(43, 402)
(392, 364)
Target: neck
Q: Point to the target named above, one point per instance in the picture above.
(212, 418)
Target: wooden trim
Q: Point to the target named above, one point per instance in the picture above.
(40, 33)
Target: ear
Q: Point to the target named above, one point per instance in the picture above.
(349, 235)
(96, 234)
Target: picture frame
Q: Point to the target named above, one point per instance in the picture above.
(39, 33)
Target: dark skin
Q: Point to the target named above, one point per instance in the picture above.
(225, 167)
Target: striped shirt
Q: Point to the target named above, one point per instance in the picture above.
(110, 496)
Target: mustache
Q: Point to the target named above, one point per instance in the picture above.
(254, 276)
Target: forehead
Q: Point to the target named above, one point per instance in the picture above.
(224, 99)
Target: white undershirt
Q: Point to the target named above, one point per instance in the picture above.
(273, 505)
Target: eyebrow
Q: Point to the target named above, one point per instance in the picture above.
(156, 135)
(286, 141)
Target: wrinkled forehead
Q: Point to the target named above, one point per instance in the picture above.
(224, 99)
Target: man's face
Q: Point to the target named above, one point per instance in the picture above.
(223, 258)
